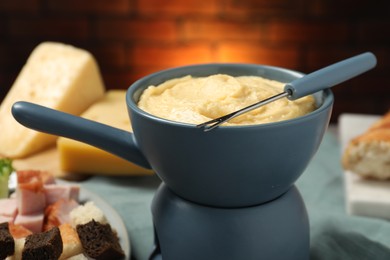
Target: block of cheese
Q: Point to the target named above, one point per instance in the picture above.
(55, 75)
(77, 157)
(364, 197)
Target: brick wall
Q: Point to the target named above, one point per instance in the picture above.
(132, 38)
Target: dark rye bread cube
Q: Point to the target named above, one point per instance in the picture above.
(7, 242)
(46, 245)
(99, 241)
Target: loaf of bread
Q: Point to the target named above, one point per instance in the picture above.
(368, 155)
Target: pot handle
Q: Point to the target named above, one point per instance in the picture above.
(110, 139)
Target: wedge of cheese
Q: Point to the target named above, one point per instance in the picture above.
(55, 75)
(77, 157)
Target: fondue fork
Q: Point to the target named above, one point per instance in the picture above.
(319, 80)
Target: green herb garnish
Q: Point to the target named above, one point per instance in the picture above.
(5, 170)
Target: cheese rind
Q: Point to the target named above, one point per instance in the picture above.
(78, 157)
(55, 75)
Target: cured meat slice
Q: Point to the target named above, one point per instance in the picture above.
(8, 208)
(18, 231)
(34, 223)
(56, 192)
(30, 193)
(59, 213)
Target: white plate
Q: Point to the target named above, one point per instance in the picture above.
(364, 197)
(112, 216)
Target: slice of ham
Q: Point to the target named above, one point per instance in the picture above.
(26, 176)
(30, 193)
(47, 177)
(39, 204)
(56, 192)
(8, 208)
(31, 179)
(6, 219)
(30, 202)
(58, 213)
(18, 231)
(34, 223)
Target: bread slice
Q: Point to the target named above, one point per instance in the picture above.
(71, 242)
(19, 245)
(368, 155)
(46, 245)
(99, 241)
(85, 213)
(7, 243)
(78, 257)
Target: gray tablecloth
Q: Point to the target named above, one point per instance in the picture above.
(334, 234)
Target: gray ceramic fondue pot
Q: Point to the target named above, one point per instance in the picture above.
(231, 166)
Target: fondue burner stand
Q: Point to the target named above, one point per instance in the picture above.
(278, 229)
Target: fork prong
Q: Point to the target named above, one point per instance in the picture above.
(205, 123)
(209, 125)
(216, 120)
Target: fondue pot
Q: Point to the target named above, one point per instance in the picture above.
(225, 194)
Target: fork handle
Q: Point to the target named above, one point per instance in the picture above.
(330, 76)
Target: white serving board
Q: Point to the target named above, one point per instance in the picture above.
(370, 198)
